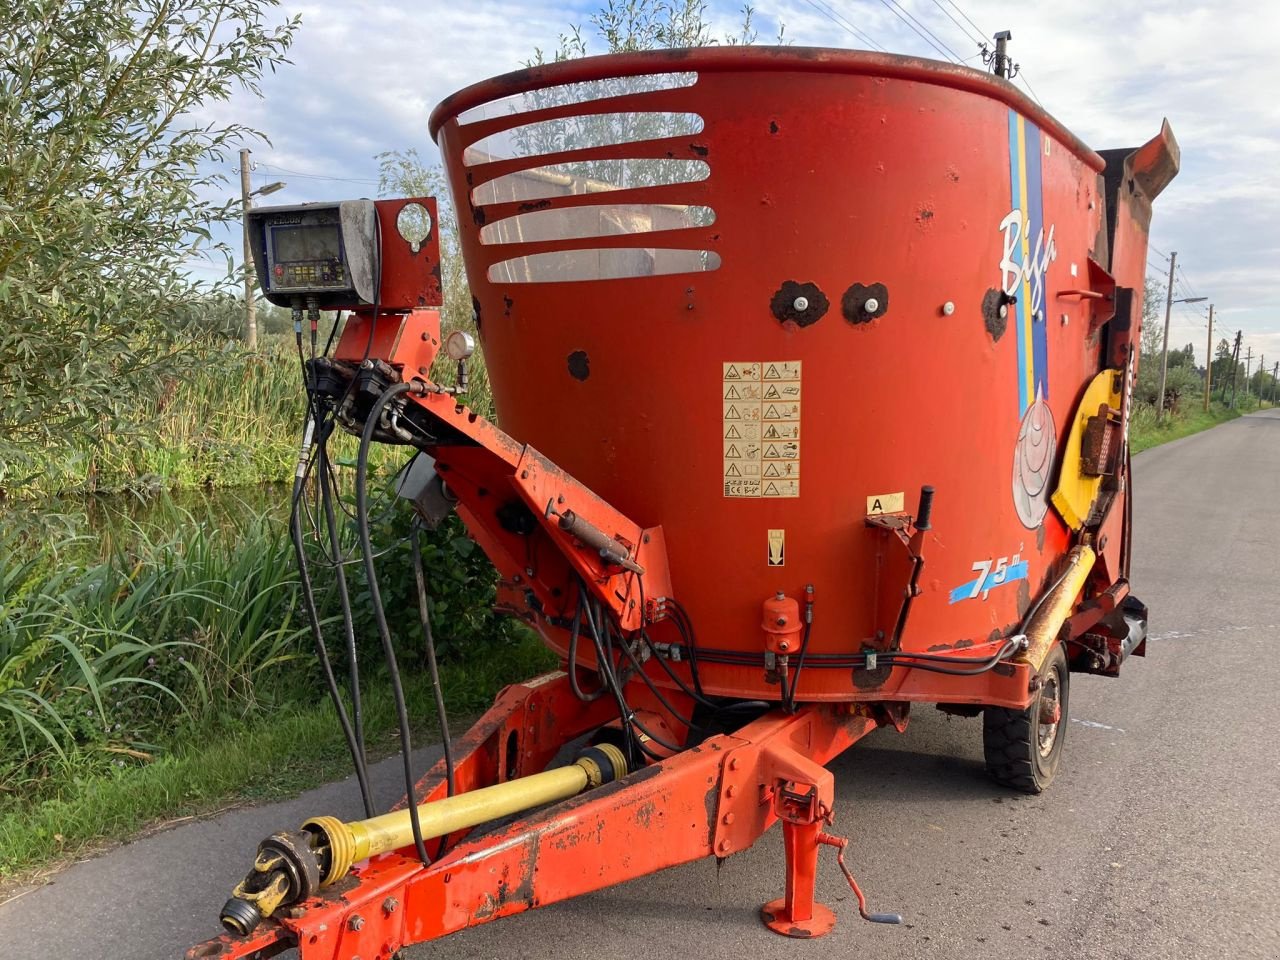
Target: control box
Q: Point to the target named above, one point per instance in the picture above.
(348, 255)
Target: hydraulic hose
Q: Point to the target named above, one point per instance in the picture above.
(348, 626)
(433, 667)
(322, 653)
(379, 614)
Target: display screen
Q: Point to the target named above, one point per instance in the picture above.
(312, 242)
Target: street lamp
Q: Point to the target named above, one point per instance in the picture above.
(246, 200)
(280, 185)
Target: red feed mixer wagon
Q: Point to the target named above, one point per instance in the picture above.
(812, 369)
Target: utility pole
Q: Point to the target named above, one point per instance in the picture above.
(1208, 362)
(1248, 360)
(1275, 374)
(1235, 365)
(1164, 350)
(250, 317)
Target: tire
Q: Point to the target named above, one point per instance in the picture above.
(1023, 748)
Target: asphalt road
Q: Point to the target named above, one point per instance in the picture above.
(1159, 839)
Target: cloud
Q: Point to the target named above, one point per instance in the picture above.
(366, 75)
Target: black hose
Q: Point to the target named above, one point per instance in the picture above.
(353, 736)
(437, 692)
(685, 625)
(789, 698)
(348, 624)
(574, 634)
(322, 654)
(379, 614)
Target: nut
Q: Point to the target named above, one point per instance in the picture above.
(800, 304)
(356, 922)
(872, 305)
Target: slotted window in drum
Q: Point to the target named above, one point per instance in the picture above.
(584, 92)
(588, 176)
(602, 220)
(580, 133)
(615, 264)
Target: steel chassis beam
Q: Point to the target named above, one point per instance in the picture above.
(716, 798)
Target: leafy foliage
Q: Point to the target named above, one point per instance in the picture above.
(104, 197)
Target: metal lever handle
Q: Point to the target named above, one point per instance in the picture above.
(926, 508)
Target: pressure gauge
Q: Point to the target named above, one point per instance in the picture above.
(459, 345)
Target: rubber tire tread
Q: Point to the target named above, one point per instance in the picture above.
(1008, 741)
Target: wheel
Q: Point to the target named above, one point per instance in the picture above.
(1023, 748)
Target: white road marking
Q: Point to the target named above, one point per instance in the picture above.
(1095, 725)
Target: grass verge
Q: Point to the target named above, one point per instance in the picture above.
(1145, 432)
(234, 761)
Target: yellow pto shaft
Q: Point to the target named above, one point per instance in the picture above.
(350, 843)
(293, 866)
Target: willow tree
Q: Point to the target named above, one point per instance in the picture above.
(106, 195)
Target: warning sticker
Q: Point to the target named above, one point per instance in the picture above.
(760, 417)
(777, 548)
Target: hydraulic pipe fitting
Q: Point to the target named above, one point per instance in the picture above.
(782, 625)
(291, 867)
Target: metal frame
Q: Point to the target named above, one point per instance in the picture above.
(715, 798)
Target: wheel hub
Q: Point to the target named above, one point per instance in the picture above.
(1050, 715)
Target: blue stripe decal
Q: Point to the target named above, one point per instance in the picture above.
(1037, 237)
(1015, 203)
(975, 588)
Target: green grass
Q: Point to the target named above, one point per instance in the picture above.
(234, 760)
(1145, 432)
(235, 422)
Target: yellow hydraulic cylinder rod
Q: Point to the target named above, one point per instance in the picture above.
(1042, 631)
(350, 843)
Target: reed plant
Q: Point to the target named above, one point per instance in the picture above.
(100, 657)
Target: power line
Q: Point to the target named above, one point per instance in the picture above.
(981, 32)
(910, 21)
(1030, 88)
(963, 29)
(1152, 247)
(315, 176)
(844, 24)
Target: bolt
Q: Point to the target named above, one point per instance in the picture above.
(948, 308)
(524, 474)
(528, 571)
(731, 792)
(356, 922)
(389, 905)
(1065, 319)
(646, 538)
(783, 645)
(423, 371)
(800, 303)
(781, 621)
(724, 846)
(1004, 311)
(728, 818)
(733, 763)
(872, 305)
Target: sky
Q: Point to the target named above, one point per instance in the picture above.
(365, 75)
